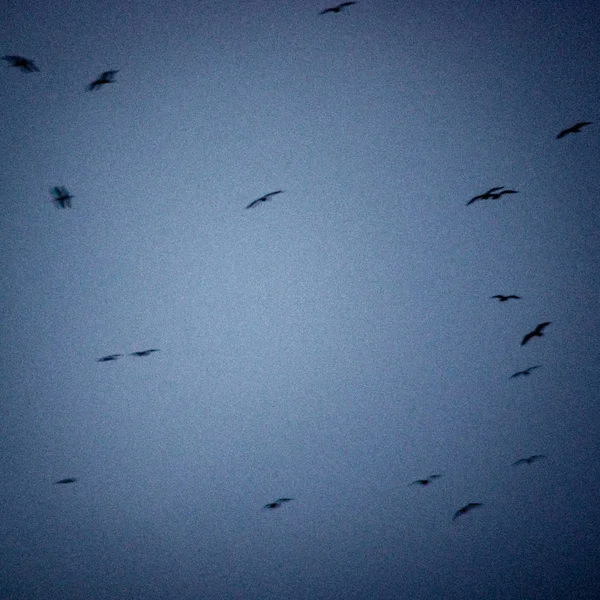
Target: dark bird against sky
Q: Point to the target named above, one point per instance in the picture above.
(537, 332)
(502, 298)
(574, 129)
(263, 198)
(109, 357)
(144, 352)
(529, 460)
(466, 509)
(67, 480)
(336, 9)
(26, 65)
(277, 503)
(492, 194)
(105, 77)
(424, 482)
(62, 198)
(525, 372)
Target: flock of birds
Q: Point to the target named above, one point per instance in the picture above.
(62, 199)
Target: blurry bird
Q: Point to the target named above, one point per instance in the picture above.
(525, 372)
(492, 194)
(502, 298)
(537, 332)
(105, 77)
(144, 352)
(277, 503)
(528, 461)
(67, 480)
(62, 198)
(574, 129)
(263, 198)
(425, 482)
(109, 357)
(336, 9)
(466, 509)
(21, 62)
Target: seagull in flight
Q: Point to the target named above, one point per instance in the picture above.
(26, 65)
(104, 78)
(67, 480)
(537, 332)
(264, 198)
(109, 357)
(62, 198)
(336, 9)
(502, 298)
(466, 509)
(525, 372)
(574, 129)
(528, 461)
(277, 503)
(424, 482)
(492, 194)
(144, 352)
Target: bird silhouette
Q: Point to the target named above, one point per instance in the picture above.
(144, 352)
(574, 129)
(492, 194)
(525, 372)
(537, 332)
(67, 480)
(424, 482)
(104, 78)
(109, 357)
(528, 461)
(502, 298)
(277, 503)
(336, 9)
(466, 509)
(26, 65)
(62, 198)
(263, 198)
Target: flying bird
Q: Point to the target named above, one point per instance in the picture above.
(537, 332)
(336, 9)
(466, 509)
(502, 298)
(263, 198)
(144, 352)
(528, 461)
(277, 503)
(109, 357)
(103, 79)
(67, 480)
(62, 198)
(26, 65)
(574, 129)
(492, 194)
(525, 372)
(424, 482)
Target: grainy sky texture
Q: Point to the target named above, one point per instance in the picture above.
(330, 345)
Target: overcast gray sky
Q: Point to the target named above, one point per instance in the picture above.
(331, 345)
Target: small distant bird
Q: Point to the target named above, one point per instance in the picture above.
(525, 372)
(26, 65)
(466, 509)
(528, 461)
(144, 352)
(62, 198)
(109, 357)
(336, 9)
(277, 503)
(537, 332)
(492, 194)
(425, 482)
(574, 129)
(105, 77)
(67, 480)
(263, 198)
(502, 298)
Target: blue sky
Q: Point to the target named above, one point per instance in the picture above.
(332, 344)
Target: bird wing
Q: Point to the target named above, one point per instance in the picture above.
(542, 326)
(255, 202)
(507, 192)
(419, 482)
(521, 461)
(527, 338)
(494, 189)
(517, 374)
(515, 297)
(327, 10)
(346, 4)
(437, 476)
(279, 500)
